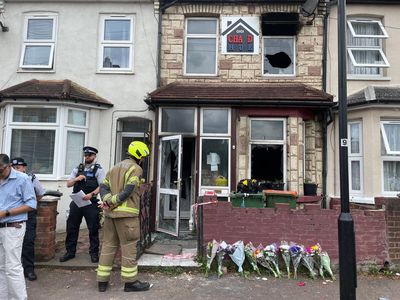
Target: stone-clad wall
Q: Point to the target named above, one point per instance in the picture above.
(239, 67)
(301, 154)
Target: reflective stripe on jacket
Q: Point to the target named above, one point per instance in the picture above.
(119, 179)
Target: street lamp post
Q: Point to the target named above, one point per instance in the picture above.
(347, 253)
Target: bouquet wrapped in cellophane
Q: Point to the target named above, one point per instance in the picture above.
(212, 248)
(236, 253)
(295, 252)
(264, 260)
(325, 264)
(221, 251)
(251, 252)
(284, 250)
(308, 260)
(272, 252)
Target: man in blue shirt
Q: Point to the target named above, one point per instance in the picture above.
(17, 198)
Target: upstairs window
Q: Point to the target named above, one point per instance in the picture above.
(365, 47)
(116, 44)
(279, 56)
(201, 46)
(39, 42)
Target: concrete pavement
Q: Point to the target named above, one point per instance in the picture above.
(81, 284)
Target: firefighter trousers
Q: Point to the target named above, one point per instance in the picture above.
(126, 233)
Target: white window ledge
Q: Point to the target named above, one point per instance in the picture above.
(368, 78)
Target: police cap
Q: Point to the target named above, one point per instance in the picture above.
(91, 150)
(18, 161)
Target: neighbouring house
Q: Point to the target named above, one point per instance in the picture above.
(373, 86)
(75, 73)
(241, 96)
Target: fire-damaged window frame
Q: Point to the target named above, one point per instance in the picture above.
(292, 57)
(279, 142)
(190, 36)
(31, 42)
(358, 42)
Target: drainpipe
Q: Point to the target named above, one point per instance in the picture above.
(161, 10)
(325, 118)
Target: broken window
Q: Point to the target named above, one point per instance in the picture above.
(268, 150)
(279, 55)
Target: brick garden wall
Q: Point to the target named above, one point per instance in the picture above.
(304, 226)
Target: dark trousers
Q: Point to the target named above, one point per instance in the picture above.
(28, 246)
(91, 215)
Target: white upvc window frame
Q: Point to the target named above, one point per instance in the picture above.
(60, 127)
(130, 44)
(356, 64)
(201, 36)
(389, 156)
(356, 156)
(293, 38)
(379, 23)
(163, 133)
(271, 142)
(215, 134)
(385, 139)
(39, 43)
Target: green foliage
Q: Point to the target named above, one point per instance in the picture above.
(173, 271)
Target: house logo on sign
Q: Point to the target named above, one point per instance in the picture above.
(240, 35)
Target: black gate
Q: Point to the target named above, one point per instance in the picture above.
(144, 215)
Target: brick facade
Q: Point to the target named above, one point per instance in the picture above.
(45, 243)
(239, 68)
(305, 226)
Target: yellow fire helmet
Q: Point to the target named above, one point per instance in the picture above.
(138, 149)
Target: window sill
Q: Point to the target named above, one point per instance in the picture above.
(279, 76)
(367, 78)
(116, 72)
(35, 71)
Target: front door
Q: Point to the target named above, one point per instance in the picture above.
(169, 184)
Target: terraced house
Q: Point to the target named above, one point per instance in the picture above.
(241, 95)
(74, 73)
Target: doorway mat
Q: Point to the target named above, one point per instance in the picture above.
(162, 249)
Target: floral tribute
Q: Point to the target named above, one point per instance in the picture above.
(270, 257)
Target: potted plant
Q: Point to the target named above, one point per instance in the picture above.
(310, 188)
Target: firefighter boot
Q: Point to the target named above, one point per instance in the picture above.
(136, 286)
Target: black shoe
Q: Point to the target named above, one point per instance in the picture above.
(31, 275)
(67, 256)
(94, 257)
(136, 286)
(103, 286)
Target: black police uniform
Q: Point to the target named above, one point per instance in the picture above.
(91, 213)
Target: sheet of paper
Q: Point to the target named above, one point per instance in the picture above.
(78, 199)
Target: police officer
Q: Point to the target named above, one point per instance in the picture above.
(85, 177)
(28, 246)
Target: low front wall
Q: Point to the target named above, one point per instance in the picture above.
(306, 226)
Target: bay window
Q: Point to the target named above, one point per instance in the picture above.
(50, 139)
(355, 158)
(390, 153)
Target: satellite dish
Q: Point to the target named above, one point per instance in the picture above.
(308, 8)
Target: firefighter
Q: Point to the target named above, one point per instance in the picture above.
(86, 177)
(120, 193)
